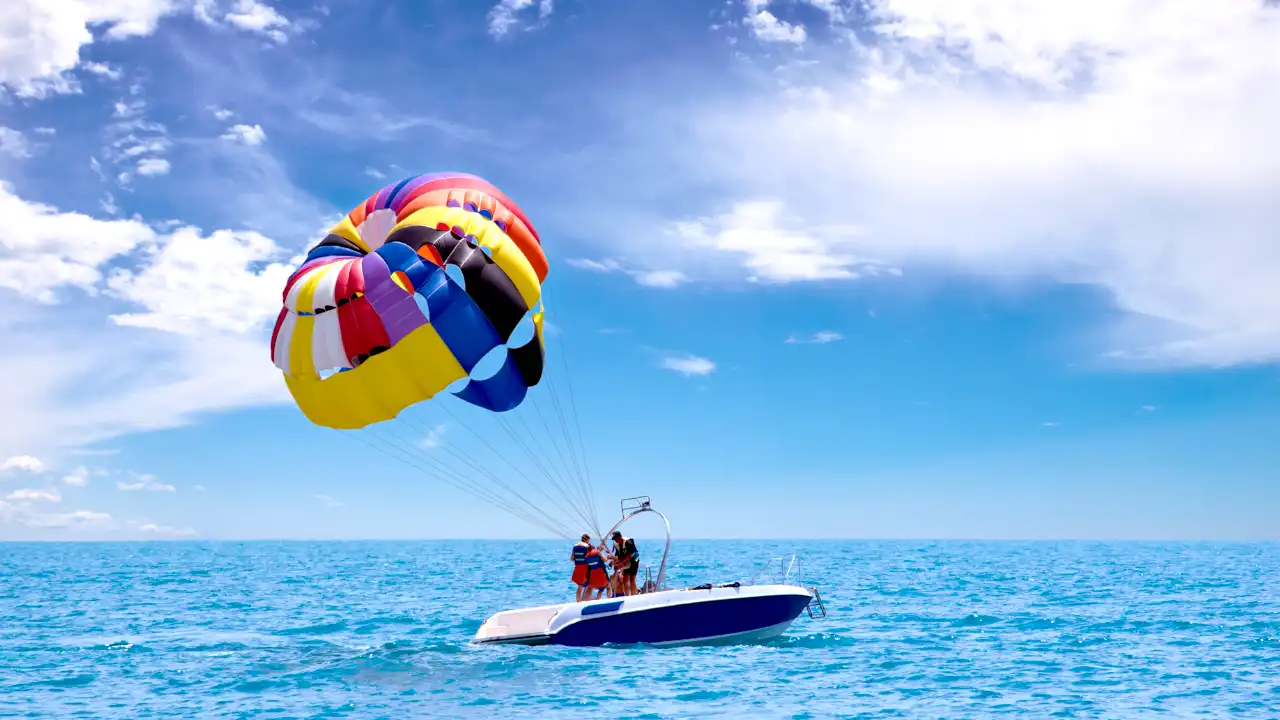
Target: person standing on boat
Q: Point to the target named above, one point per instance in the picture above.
(625, 564)
(580, 569)
(633, 567)
(597, 574)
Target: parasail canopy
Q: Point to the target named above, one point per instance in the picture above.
(400, 303)
(372, 323)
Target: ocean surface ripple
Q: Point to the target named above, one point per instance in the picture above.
(381, 630)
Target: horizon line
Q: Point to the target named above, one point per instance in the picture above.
(1253, 541)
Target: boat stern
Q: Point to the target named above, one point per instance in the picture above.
(527, 626)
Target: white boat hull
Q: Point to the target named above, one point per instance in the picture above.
(715, 616)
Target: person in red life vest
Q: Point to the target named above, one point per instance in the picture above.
(597, 574)
(580, 574)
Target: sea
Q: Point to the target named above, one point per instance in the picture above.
(381, 629)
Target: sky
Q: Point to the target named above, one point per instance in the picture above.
(819, 269)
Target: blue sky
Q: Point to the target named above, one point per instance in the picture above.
(979, 271)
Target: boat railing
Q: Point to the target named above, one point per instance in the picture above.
(791, 573)
(784, 570)
(648, 585)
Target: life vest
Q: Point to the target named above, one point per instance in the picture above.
(579, 554)
(595, 560)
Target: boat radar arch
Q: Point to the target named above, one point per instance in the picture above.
(639, 505)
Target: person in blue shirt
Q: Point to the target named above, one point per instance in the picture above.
(580, 569)
(597, 574)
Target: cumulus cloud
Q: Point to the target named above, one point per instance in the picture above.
(78, 477)
(245, 134)
(213, 315)
(25, 463)
(665, 279)
(14, 144)
(766, 27)
(33, 495)
(688, 365)
(255, 17)
(506, 15)
(150, 167)
(41, 41)
(774, 251)
(103, 70)
(195, 282)
(27, 515)
(1123, 144)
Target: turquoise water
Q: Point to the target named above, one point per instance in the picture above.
(380, 629)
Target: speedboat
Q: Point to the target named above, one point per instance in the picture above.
(731, 613)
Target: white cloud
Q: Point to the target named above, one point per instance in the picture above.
(151, 167)
(659, 278)
(245, 134)
(775, 251)
(435, 436)
(1129, 145)
(41, 40)
(78, 477)
(256, 17)
(766, 27)
(195, 282)
(26, 463)
(33, 495)
(142, 481)
(821, 337)
(504, 16)
(689, 365)
(164, 530)
(605, 266)
(102, 70)
(134, 143)
(375, 173)
(665, 279)
(25, 514)
(46, 249)
(221, 114)
(330, 502)
(13, 143)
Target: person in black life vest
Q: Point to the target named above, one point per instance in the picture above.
(629, 572)
(580, 574)
(626, 564)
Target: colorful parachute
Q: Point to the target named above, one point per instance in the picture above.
(372, 322)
